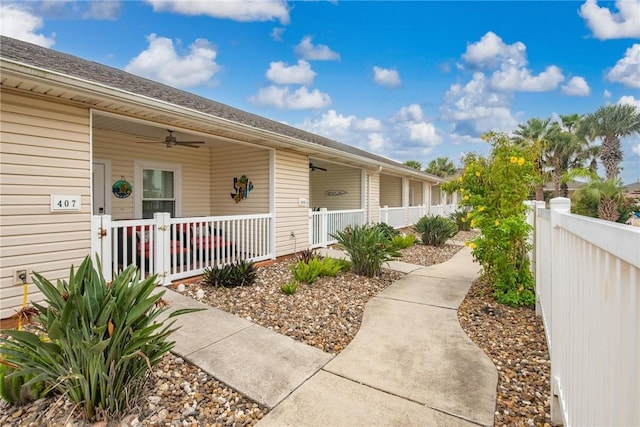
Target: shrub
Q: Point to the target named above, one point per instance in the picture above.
(461, 218)
(387, 230)
(99, 340)
(240, 273)
(330, 267)
(435, 230)
(403, 241)
(307, 272)
(16, 387)
(495, 188)
(289, 288)
(306, 255)
(368, 248)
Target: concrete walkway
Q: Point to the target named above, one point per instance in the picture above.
(410, 363)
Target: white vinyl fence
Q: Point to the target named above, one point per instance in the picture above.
(323, 224)
(175, 248)
(442, 210)
(588, 290)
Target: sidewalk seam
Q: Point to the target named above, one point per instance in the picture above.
(418, 303)
(403, 397)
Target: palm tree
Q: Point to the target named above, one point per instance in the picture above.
(413, 164)
(442, 167)
(612, 122)
(600, 198)
(534, 134)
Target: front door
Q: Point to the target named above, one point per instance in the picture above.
(100, 194)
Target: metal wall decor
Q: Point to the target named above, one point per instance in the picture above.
(242, 186)
(335, 192)
(122, 188)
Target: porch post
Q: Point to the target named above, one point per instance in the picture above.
(385, 214)
(102, 242)
(162, 253)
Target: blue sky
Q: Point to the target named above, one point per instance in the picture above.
(407, 80)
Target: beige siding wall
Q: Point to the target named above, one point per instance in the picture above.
(123, 150)
(292, 183)
(390, 191)
(45, 151)
(233, 162)
(336, 178)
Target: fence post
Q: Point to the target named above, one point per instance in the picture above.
(310, 227)
(534, 237)
(324, 227)
(557, 207)
(385, 214)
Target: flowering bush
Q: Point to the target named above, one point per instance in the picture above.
(495, 189)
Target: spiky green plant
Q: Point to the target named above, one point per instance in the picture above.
(99, 340)
(436, 230)
(289, 288)
(368, 248)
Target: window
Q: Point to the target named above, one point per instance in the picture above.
(160, 185)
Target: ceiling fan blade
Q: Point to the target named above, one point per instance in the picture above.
(190, 142)
(185, 144)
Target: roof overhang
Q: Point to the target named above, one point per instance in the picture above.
(64, 88)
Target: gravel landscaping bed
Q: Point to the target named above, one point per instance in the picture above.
(514, 340)
(327, 315)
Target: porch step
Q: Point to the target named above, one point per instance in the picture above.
(261, 364)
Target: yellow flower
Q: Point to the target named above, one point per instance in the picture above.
(513, 160)
(480, 209)
(497, 223)
(460, 179)
(468, 214)
(462, 190)
(472, 245)
(466, 197)
(477, 173)
(463, 219)
(521, 161)
(473, 223)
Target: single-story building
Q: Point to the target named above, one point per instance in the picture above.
(99, 161)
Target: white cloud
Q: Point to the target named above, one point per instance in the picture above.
(301, 74)
(577, 86)
(520, 79)
(376, 142)
(477, 108)
(368, 124)
(636, 149)
(17, 22)
(237, 10)
(630, 100)
(509, 63)
(491, 52)
(606, 94)
(607, 25)
(627, 69)
(386, 77)
(161, 62)
(412, 112)
(306, 50)
(277, 33)
(102, 9)
(283, 99)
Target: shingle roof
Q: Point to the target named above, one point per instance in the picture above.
(74, 66)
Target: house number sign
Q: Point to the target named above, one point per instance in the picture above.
(65, 203)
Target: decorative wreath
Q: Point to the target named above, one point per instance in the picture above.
(121, 188)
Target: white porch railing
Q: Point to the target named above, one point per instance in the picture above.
(175, 248)
(442, 210)
(588, 290)
(324, 223)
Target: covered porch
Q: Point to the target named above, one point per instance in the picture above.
(176, 209)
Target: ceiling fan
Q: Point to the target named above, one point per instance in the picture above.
(171, 141)
(313, 168)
